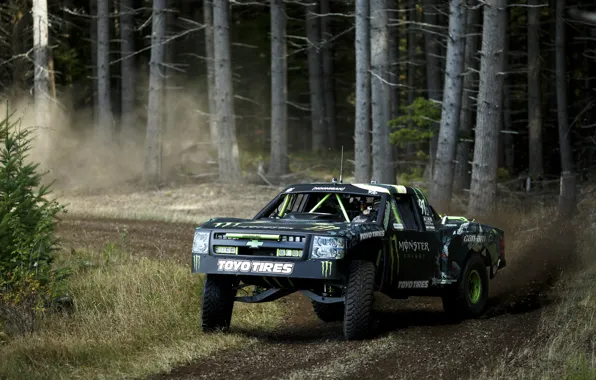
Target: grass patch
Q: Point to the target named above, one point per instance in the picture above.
(132, 317)
(565, 347)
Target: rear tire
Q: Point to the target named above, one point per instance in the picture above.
(218, 302)
(329, 312)
(468, 298)
(359, 299)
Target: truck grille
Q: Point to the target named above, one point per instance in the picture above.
(257, 244)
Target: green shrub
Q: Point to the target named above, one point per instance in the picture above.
(28, 283)
(418, 123)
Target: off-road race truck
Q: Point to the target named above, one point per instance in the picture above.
(338, 244)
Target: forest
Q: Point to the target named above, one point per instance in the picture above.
(465, 97)
(150, 117)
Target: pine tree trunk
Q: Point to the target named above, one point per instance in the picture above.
(127, 67)
(567, 195)
(328, 80)
(382, 165)
(506, 136)
(362, 116)
(411, 5)
(156, 92)
(534, 90)
(211, 90)
(315, 79)
(461, 178)
(94, 71)
(41, 75)
(452, 95)
(104, 104)
(229, 156)
(484, 167)
(279, 93)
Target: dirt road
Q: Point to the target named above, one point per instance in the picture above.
(414, 340)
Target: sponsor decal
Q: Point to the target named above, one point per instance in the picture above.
(196, 262)
(414, 246)
(372, 192)
(328, 188)
(326, 268)
(474, 239)
(412, 284)
(261, 267)
(322, 227)
(368, 235)
(428, 222)
(254, 244)
(290, 190)
(398, 226)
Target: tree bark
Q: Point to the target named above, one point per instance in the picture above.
(484, 167)
(94, 72)
(534, 98)
(315, 79)
(229, 156)
(211, 90)
(451, 107)
(104, 103)
(41, 76)
(156, 93)
(461, 178)
(382, 165)
(127, 67)
(567, 195)
(279, 93)
(411, 5)
(507, 136)
(328, 80)
(362, 116)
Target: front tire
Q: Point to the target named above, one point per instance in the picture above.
(329, 312)
(468, 298)
(218, 302)
(359, 299)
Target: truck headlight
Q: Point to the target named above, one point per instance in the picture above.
(200, 243)
(324, 247)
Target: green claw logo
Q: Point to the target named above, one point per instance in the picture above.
(196, 262)
(326, 268)
(254, 244)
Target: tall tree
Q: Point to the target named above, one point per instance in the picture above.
(382, 165)
(452, 95)
(155, 110)
(411, 28)
(127, 65)
(105, 121)
(279, 92)
(41, 73)
(315, 79)
(227, 147)
(328, 80)
(484, 167)
(461, 178)
(211, 90)
(534, 99)
(94, 75)
(567, 196)
(362, 116)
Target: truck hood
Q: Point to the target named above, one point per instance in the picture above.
(349, 230)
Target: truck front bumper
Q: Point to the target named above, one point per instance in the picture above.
(259, 266)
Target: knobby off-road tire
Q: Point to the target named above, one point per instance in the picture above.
(359, 299)
(329, 312)
(218, 303)
(468, 297)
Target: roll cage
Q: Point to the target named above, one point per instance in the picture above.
(332, 206)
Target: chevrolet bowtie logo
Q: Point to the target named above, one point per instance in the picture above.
(254, 243)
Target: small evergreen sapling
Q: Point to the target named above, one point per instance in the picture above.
(27, 239)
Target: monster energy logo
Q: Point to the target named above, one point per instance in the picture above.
(324, 227)
(326, 268)
(196, 262)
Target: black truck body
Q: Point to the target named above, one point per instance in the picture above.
(315, 239)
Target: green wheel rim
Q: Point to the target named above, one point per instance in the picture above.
(474, 286)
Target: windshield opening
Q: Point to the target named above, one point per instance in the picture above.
(333, 207)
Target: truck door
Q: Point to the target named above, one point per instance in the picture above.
(414, 248)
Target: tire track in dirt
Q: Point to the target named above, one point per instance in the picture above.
(414, 339)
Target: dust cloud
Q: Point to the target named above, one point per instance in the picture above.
(68, 148)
